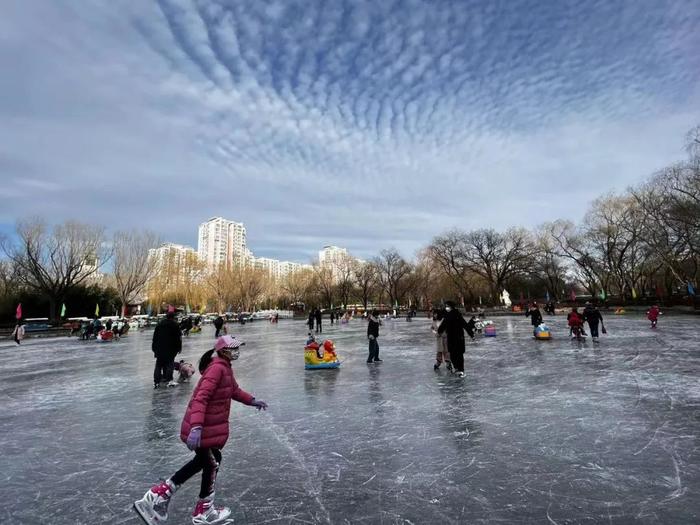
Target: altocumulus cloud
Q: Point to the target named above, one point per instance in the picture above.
(365, 124)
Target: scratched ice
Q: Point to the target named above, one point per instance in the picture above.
(537, 432)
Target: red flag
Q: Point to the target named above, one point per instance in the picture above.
(573, 295)
(18, 313)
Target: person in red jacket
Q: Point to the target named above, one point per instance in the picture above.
(205, 430)
(575, 321)
(653, 315)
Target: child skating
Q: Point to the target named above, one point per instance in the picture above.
(204, 430)
(653, 315)
(442, 353)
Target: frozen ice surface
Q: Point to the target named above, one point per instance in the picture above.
(537, 432)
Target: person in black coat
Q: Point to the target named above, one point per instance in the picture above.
(167, 343)
(310, 322)
(218, 324)
(372, 334)
(318, 317)
(592, 316)
(535, 316)
(454, 326)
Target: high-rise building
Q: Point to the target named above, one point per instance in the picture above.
(177, 253)
(277, 269)
(175, 261)
(222, 242)
(332, 256)
(271, 266)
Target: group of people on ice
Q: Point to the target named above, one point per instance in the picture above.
(95, 329)
(576, 320)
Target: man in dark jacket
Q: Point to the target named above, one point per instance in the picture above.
(372, 334)
(535, 316)
(454, 326)
(318, 316)
(218, 324)
(592, 316)
(167, 343)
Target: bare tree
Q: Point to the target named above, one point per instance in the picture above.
(612, 228)
(448, 251)
(393, 274)
(498, 257)
(221, 285)
(324, 282)
(252, 283)
(670, 221)
(344, 277)
(133, 267)
(296, 285)
(8, 278)
(548, 266)
(365, 275)
(570, 243)
(54, 262)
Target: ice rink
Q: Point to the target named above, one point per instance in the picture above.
(537, 432)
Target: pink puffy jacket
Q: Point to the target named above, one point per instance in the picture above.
(211, 402)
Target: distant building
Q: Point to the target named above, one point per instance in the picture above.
(332, 256)
(278, 269)
(90, 269)
(336, 259)
(222, 242)
(177, 253)
(174, 260)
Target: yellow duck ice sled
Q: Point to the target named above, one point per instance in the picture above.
(320, 356)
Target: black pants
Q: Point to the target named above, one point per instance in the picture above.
(457, 358)
(593, 325)
(373, 350)
(164, 369)
(205, 459)
(318, 327)
(218, 331)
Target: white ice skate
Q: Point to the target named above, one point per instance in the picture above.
(172, 383)
(153, 507)
(205, 513)
(460, 374)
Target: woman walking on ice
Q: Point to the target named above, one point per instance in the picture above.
(454, 326)
(205, 430)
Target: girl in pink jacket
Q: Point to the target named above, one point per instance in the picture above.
(205, 430)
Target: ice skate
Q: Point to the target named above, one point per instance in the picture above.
(172, 383)
(436, 366)
(205, 512)
(460, 374)
(153, 507)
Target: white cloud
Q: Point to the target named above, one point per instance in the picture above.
(366, 126)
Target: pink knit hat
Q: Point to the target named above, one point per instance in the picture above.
(227, 341)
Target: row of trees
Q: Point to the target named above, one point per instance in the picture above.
(643, 242)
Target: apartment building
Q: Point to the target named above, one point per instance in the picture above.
(221, 241)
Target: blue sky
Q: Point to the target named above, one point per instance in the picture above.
(362, 124)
